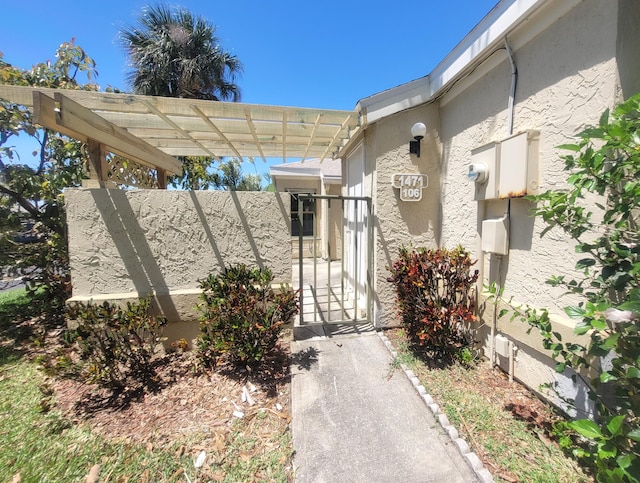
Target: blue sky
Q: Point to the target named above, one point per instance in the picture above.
(322, 54)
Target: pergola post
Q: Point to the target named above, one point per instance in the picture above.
(162, 178)
(97, 164)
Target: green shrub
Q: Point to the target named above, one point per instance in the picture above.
(242, 316)
(117, 344)
(433, 289)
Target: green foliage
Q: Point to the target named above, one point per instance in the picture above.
(176, 54)
(231, 178)
(199, 173)
(117, 344)
(603, 164)
(433, 289)
(31, 193)
(242, 315)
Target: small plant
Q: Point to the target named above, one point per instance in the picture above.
(242, 315)
(117, 344)
(434, 290)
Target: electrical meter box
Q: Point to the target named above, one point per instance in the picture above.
(485, 159)
(518, 165)
(495, 236)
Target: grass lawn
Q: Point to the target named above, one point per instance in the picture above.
(39, 443)
(43, 446)
(504, 424)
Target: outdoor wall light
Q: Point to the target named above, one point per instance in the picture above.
(418, 130)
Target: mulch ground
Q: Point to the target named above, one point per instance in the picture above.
(186, 404)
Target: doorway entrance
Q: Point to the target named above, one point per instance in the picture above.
(334, 259)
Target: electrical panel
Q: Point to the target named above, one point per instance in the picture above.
(506, 169)
(518, 165)
(495, 236)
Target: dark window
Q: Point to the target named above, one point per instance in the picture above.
(308, 212)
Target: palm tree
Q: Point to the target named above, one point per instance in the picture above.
(231, 178)
(174, 54)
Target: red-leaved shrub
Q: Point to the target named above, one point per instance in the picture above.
(434, 291)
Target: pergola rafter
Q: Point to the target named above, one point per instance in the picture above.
(191, 127)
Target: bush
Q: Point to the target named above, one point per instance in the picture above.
(242, 316)
(433, 289)
(117, 344)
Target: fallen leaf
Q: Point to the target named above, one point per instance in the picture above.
(200, 461)
(94, 474)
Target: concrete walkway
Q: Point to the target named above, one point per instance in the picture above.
(356, 419)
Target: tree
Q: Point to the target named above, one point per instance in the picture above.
(197, 175)
(175, 54)
(231, 177)
(31, 194)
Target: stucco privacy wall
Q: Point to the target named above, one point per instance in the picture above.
(124, 244)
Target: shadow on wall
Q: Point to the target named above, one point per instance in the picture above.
(128, 242)
(128, 237)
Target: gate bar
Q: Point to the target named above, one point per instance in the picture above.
(367, 223)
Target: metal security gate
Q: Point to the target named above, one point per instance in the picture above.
(335, 270)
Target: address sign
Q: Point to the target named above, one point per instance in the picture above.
(410, 185)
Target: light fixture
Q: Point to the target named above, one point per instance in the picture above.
(418, 130)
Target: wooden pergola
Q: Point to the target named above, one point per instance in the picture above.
(151, 131)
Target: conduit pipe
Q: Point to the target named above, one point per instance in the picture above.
(512, 91)
(507, 213)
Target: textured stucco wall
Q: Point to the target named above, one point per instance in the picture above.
(566, 78)
(628, 47)
(401, 223)
(567, 75)
(123, 243)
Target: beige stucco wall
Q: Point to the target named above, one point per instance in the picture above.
(628, 46)
(567, 75)
(400, 223)
(124, 244)
(566, 78)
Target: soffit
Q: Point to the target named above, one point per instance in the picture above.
(188, 127)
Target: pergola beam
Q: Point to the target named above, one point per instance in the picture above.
(184, 133)
(284, 136)
(313, 135)
(335, 137)
(192, 127)
(255, 135)
(72, 119)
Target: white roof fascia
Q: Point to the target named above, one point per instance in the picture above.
(490, 32)
(393, 100)
(296, 172)
(332, 179)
